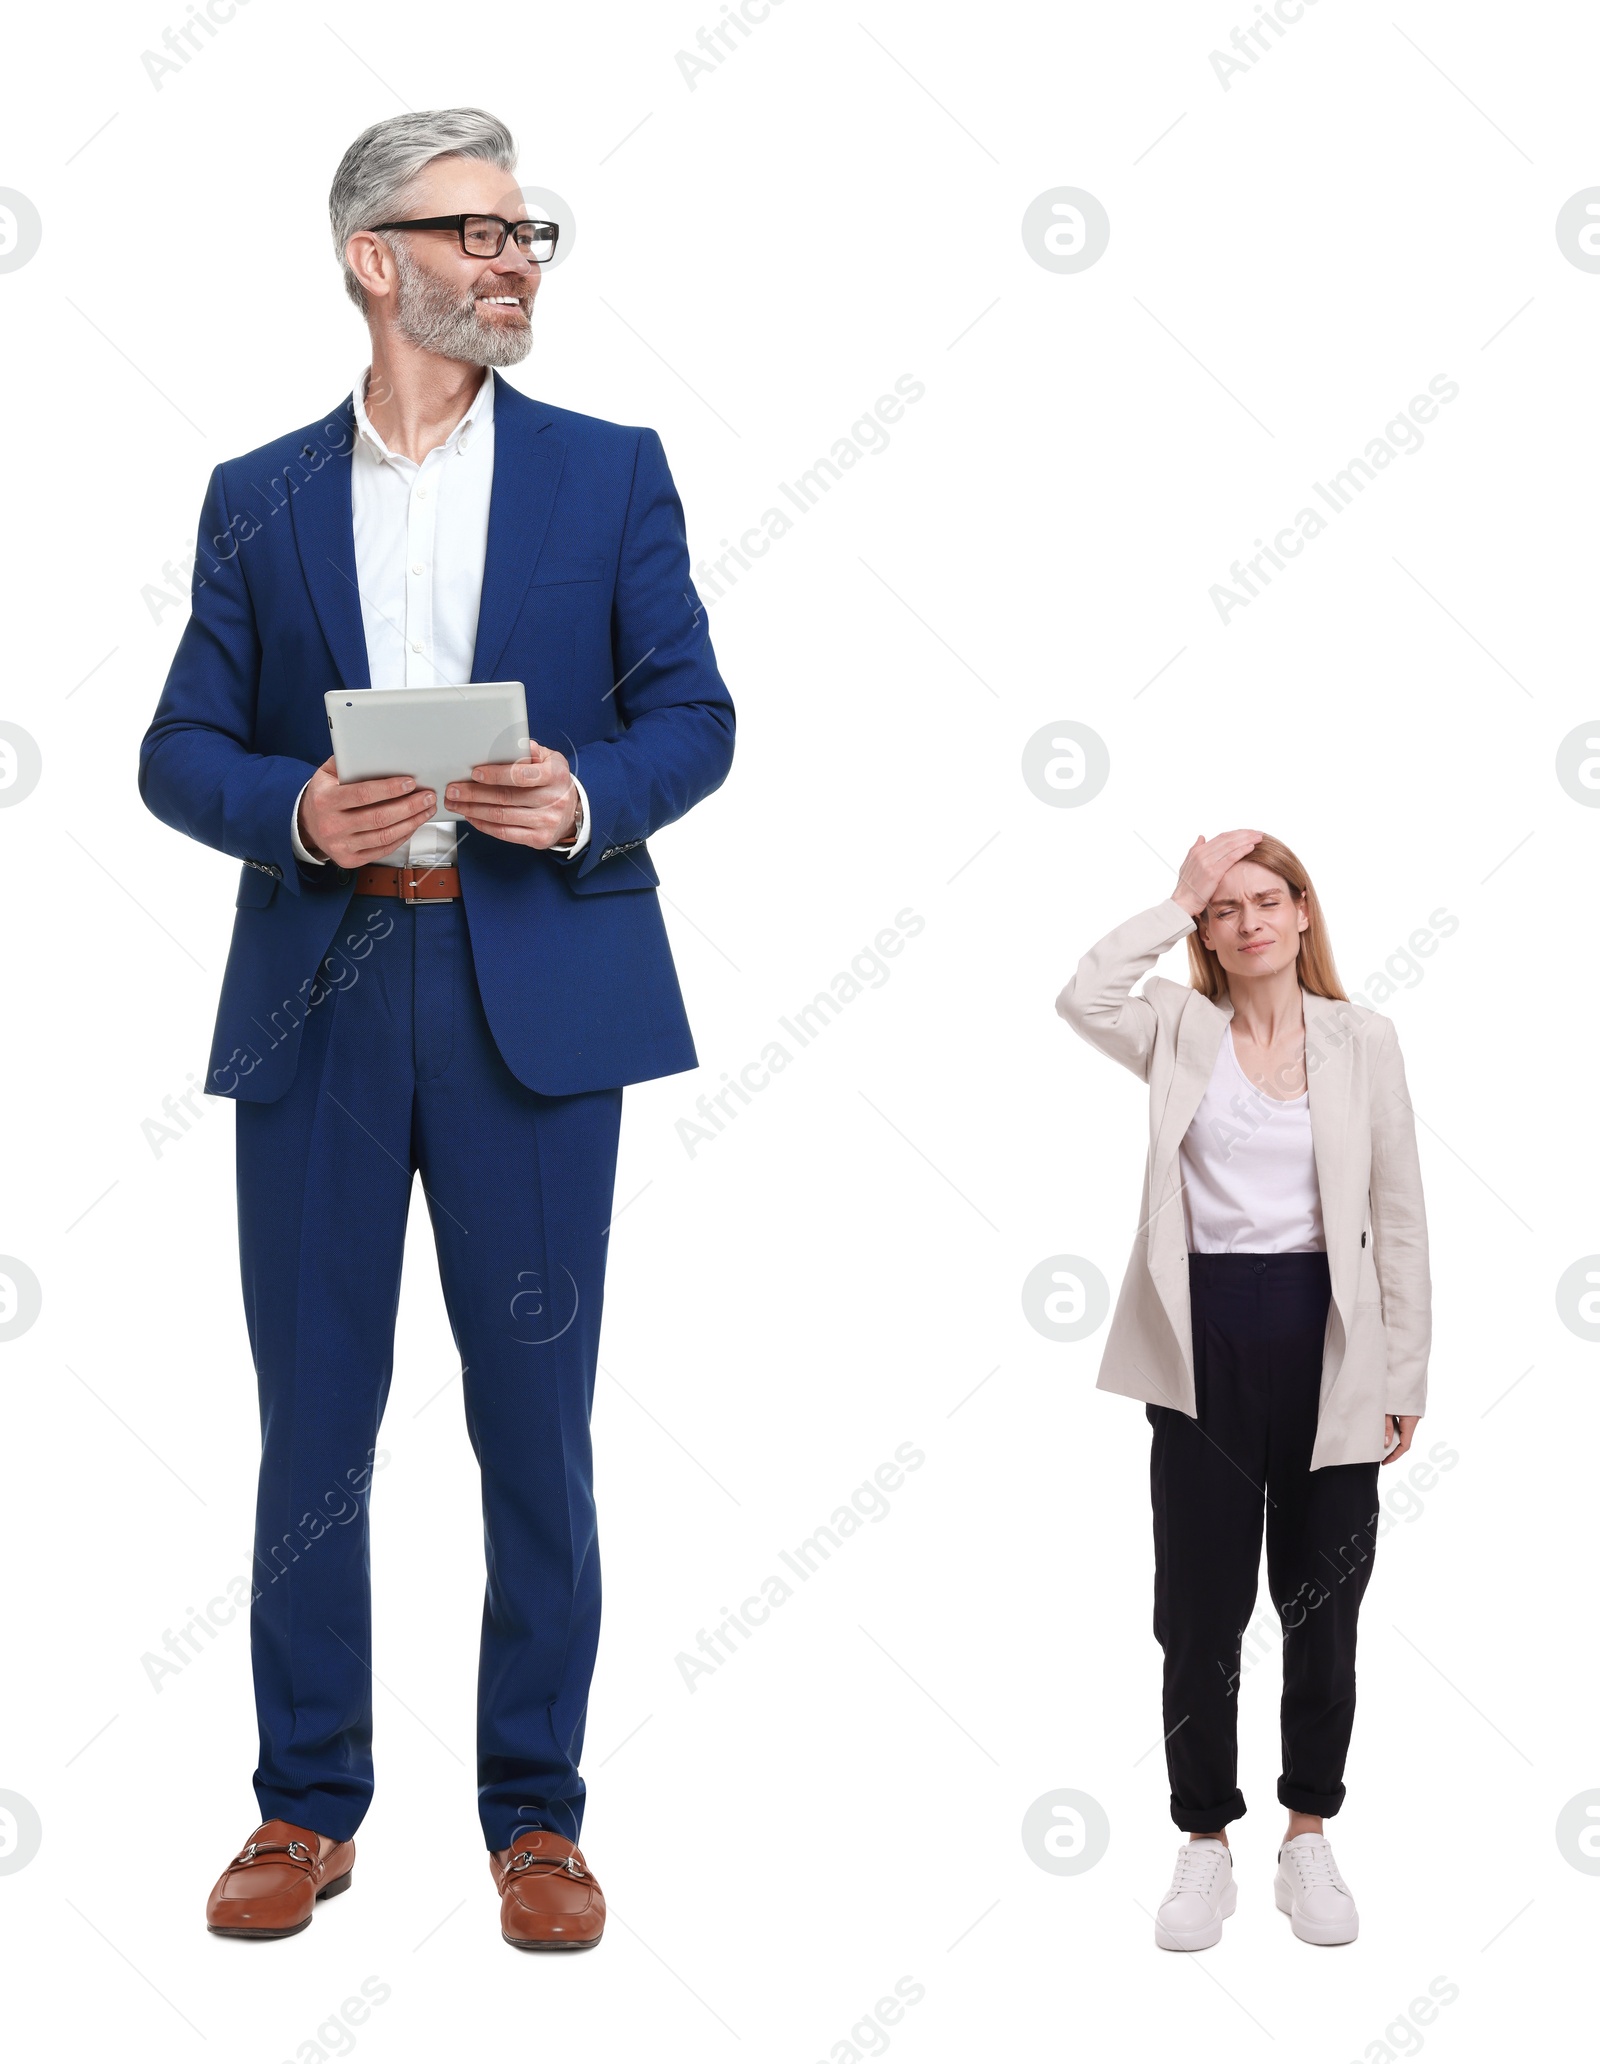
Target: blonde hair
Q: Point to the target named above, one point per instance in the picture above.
(1317, 971)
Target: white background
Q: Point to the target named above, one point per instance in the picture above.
(759, 257)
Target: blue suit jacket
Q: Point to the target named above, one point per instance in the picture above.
(587, 599)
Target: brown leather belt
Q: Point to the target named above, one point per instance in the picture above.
(410, 884)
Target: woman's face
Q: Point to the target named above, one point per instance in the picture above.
(1252, 923)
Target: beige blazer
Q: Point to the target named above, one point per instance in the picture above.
(1375, 1351)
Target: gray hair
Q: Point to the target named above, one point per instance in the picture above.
(378, 168)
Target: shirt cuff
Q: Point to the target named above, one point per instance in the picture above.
(306, 859)
(571, 852)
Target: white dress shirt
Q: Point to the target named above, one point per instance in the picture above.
(421, 533)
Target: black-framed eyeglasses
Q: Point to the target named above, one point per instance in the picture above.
(484, 236)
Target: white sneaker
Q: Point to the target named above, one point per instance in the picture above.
(1200, 1898)
(1311, 1892)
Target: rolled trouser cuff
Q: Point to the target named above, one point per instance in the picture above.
(1298, 1800)
(1205, 1820)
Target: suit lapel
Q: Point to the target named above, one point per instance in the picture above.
(1200, 1032)
(1330, 1071)
(528, 457)
(1328, 1086)
(324, 536)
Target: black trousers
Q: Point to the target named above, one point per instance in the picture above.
(1257, 1322)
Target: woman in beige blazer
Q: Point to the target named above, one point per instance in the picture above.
(1274, 1319)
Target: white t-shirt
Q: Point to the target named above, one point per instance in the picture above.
(1249, 1173)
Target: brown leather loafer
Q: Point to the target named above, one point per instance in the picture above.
(276, 1879)
(549, 1897)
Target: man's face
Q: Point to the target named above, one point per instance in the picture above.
(476, 310)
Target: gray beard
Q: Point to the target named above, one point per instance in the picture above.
(429, 315)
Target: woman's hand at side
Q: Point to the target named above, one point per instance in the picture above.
(1208, 860)
(1403, 1423)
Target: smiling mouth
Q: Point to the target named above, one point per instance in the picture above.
(500, 301)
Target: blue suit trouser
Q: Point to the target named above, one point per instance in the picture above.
(399, 1074)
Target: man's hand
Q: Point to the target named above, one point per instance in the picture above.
(352, 823)
(1405, 1425)
(528, 803)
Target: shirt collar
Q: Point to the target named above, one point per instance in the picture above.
(477, 418)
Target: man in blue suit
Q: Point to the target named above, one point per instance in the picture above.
(407, 993)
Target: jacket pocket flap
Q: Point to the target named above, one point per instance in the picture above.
(572, 570)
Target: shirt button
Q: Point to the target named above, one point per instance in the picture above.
(422, 494)
(415, 646)
(417, 567)
(1260, 1268)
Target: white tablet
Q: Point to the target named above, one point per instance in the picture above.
(436, 735)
